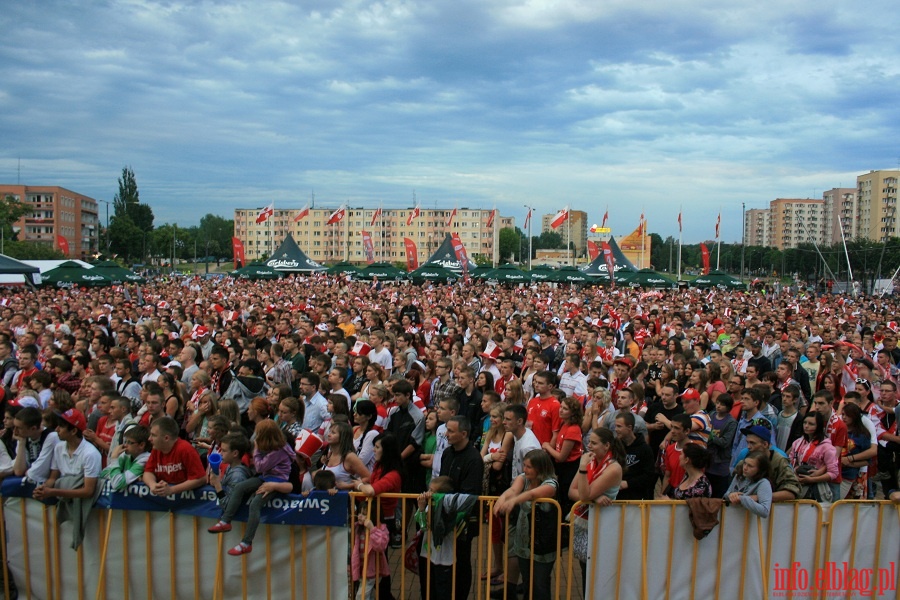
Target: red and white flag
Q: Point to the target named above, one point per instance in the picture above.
(412, 254)
(560, 218)
(336, 216)
(375, 217)
(304, 212)
(704, 255)
(641, 225)
(718, 222)
(491, 216)
(679, 221)
(63, 244)
(265, 213)
(593, 249)
(605, 217)
(527, 219)
(460, 252)
(610, 260)
(368, 247)
(450, 220)
(414, 214)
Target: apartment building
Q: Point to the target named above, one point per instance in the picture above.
(56, 211)
(875, 215)
(577, 228)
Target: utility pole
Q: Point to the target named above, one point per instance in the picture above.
(743, 236)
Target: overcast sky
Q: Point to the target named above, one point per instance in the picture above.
(631, 105)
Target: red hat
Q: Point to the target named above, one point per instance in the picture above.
(73, 417)
(717, 322)
(492, 351)
(199, 331)
(690, 394)
(306, 444)
(360, 349)
(625, 360)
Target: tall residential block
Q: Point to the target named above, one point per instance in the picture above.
(875, 215)
(344, 240)
(756, 227)
(576, 228)
(839, 208)
(793, 221)
(56, 211)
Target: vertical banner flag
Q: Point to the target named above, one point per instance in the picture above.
(265, 213)
(605, 217)
(414, 214)
(412, 256)
(375, 217)
(527, 219)
(336, 216)
(704, 254)
(560, 218)
(610, 263)
(593, 250)
(493, 213)
(679, 221)
(460, 252)
(304, 212)
(237, 247)
(641, 225)
(718, 222)
(450, 220)
(368, 248)
(63, 244)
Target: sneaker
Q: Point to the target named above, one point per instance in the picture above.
(396, 541)
(220, 527)
(241, 549)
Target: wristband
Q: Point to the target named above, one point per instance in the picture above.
(582, 472)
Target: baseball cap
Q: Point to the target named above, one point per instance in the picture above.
(762, 432)
(73, 417)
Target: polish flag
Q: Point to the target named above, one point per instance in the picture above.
(641, 225)
(450, 220)
(718, 222)
(491, 216)
(605, 217)
(375, 217)
(679, 221)
(527, 219)
(304, 212)
(413, 215)
(336, 216)
(265, 213)
(560, 218)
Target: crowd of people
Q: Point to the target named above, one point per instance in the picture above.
(447, 391)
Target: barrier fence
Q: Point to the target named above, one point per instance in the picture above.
(138, 547)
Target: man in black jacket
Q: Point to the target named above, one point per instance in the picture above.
(463, 464)
(640, 476)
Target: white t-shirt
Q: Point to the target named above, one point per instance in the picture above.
(523, 446)
(84, 461)
(382, 357)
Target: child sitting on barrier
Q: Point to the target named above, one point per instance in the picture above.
(232, 449)
(272, 460)
(129, 466)
(751, 487)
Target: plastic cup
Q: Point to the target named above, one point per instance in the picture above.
(215, 460)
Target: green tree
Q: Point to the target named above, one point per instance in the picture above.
(217, 232)
(127, 202)
(548, 240)
(11, 210)
(510, 244)
(126, 239)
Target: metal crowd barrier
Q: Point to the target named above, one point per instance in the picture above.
(639, 549)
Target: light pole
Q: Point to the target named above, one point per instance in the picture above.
(530, 209)
(743, 235)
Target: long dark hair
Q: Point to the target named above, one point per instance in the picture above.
(390, 453)
(819, 434)
(854, 413)
(615, 444)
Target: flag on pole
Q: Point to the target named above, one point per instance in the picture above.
(450, 220)
(718, 223)
(610, 260)
(679, 221)
(336, 216)
(593, 250)
(368, 247)
(375, 217)
(63, 244)
(237, 248)
(491, 216)
(527, 219)
(641, 225)
(304, 212)
(560, 218)
(704, 254)
(414, 214)
(265, 213)
(605, 217)
(412, 254)
(460, 252)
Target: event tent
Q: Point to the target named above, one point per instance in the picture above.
(289, 258)
(445, 257)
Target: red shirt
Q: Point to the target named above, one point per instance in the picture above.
(181, 464)
(570, 432)
(543, 414)
(105, 432)
(672, 463)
